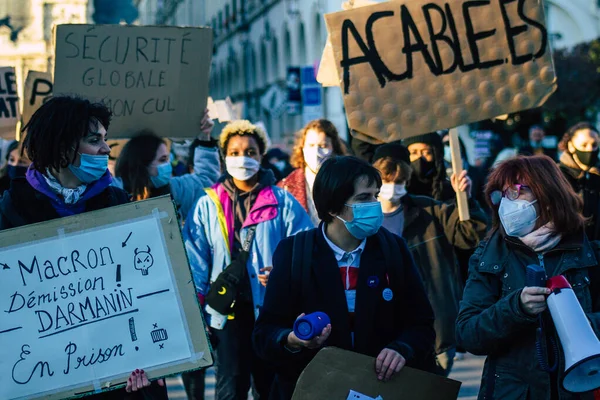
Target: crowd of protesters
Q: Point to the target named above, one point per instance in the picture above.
(383, 251)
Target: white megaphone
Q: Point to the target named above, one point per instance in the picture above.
(579, 342)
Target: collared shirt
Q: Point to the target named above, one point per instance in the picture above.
(348, 262)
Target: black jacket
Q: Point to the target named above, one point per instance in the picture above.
(491, 321)
(587, 186)
(404, 324)
(23, 205)
(431, 229)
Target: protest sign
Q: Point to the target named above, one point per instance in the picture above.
(38, 88)
(150, 77)
(334, 372)
(90, 298)
(410, 67)
(9, 103)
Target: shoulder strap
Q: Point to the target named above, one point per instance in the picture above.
(302, 248)
(249, 238)
(220, 216)
(391, 250)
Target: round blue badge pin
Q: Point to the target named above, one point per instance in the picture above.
(388, 295)
(373, 282)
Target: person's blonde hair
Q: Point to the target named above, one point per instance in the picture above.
(243, 128)
(319, 125)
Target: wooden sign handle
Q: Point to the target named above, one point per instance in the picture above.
(462, 200)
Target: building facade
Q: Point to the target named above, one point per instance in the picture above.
(256, 41)
(26, 28)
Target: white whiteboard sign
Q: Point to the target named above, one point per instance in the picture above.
(84, 307)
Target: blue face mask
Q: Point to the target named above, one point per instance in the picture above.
(368, 218)
(165, 171)
(91, 169)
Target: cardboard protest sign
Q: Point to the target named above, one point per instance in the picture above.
(150, 77)
(38, 88)
(9, 103)
(334, 372)
(88, 299)
(410, 67)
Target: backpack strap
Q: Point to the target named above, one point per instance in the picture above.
(302, 245)
(391, 250)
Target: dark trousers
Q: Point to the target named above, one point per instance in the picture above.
(193, 382)
(237, 366)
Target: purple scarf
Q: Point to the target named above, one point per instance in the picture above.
(38, 182)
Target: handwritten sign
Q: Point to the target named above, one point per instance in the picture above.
(150, 77)
(410, 67)
(87, 299)
(334, 372)
(9, 103)
(38, 89)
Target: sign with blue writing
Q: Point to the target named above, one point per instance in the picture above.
(85, 300)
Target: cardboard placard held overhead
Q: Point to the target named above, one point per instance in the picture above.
(87, 299)
(9, 103)
(411, 67)
(150, 77)
(334, 372)
(38, 89)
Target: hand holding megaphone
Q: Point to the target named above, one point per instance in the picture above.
(533, 300)
(310, 331)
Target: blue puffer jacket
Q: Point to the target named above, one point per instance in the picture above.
(209, 236)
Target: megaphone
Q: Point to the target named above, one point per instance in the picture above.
(579, 342)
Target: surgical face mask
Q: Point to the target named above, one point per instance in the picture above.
(91, 168)
(14, 171)
(242, 168)
(588, 158)
(315, 157)
(165, 171)
(447, 154)
(280, 165)
(368, 218)
(392, 192)
(518, 217)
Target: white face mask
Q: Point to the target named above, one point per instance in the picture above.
(315, 157)
(392, 192)
(518, 217)
(242, 168)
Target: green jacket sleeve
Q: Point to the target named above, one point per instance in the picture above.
(486, 320)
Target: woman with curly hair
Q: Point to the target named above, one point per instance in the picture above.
(234, 230)
(316, 142)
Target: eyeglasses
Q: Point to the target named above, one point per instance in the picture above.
(511, 193)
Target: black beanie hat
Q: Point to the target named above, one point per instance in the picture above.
(432, 139)
(393, 150)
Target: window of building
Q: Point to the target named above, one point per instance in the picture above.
(227, 17)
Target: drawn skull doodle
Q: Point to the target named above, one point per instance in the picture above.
(143, 260)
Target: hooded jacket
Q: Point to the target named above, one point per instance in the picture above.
(587, 186)
(491, 321)
(210, 234)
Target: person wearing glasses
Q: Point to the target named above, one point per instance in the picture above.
(537, 219)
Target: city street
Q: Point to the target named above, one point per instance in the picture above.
(468, 371)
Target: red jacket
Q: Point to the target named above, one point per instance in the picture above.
(295, 183)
